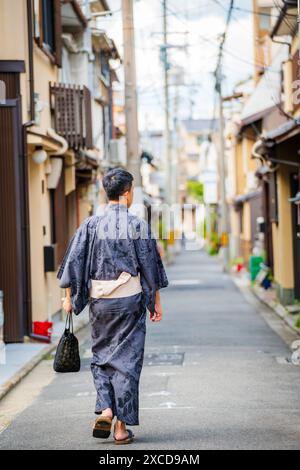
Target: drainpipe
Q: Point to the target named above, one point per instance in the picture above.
(30, 58)
(284, 43)
(255, 148)
(26, 126)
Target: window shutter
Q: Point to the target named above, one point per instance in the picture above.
(71, 107)
(57, 32)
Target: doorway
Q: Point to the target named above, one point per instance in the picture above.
(295, 188)
(14, 265)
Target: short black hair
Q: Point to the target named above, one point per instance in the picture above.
(116, 182)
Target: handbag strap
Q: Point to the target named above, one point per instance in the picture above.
(69, 323)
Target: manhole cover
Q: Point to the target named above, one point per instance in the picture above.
(164, 359)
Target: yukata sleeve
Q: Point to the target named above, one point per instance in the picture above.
(153, 274)
(75, 267)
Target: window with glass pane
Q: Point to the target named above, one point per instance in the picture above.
(48, 24)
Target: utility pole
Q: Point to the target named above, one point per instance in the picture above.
(132, 131)
(223, 173)
(175, 154)
(168, 144)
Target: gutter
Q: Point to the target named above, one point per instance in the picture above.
(30, 58)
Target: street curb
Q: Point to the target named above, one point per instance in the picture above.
(277, 308)
(274, 308)
(27, 368)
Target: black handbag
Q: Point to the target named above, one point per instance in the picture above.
(67, 358)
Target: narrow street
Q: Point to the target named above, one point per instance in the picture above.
(214, 378)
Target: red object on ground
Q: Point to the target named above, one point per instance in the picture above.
(43, 329)
(240, 268)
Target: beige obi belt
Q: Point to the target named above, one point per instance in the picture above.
(125, 286)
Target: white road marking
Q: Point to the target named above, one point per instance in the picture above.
(158, 394)
(164, 374)
(168, 405)
(86, 394)
(186, 282)
(160, 408)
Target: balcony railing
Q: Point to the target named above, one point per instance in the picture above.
(72, 114)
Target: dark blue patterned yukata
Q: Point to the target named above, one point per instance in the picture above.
(101, 249)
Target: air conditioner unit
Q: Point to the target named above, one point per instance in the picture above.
(117, 152)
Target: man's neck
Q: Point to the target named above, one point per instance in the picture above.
(121, 203)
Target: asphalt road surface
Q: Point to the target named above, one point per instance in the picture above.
(215, 377)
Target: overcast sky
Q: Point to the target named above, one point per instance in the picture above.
(203, 21)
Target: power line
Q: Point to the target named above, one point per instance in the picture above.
(285, 19)
(205, 39)
(223, 40)
(262, 13)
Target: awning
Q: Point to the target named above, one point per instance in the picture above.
(267, 94)
(101, 42)
(277, 136)
(37, 139)
(256, 117)
(284, 132)
(240, 200)
(72, 16)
